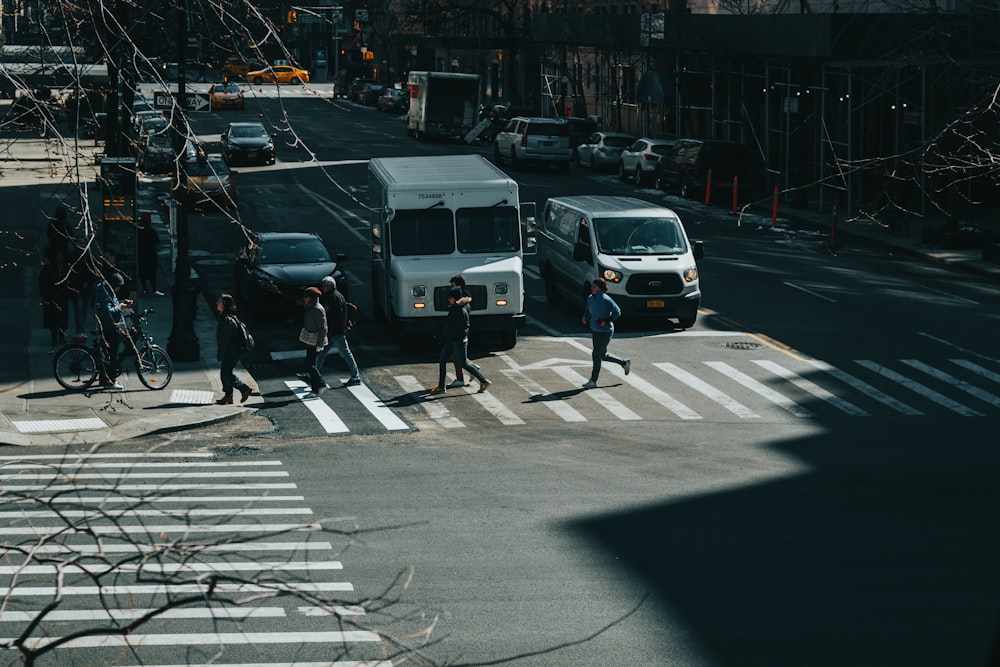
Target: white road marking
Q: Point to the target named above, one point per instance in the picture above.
(337, 663)
(603, 398)
(77, 465)
(812, 388)
(59, 425)
(918, 388)
(132, 614)
(723, 399)
(864, 388)
(389, 419)
(168, 589)
(147, 487)
(166, 528)
(163, 548)
(144, 500)
(775, 397)
(176, 474)
(655, 393)
(559, 407)
(327, 418)
(179, 514)
(977, 369)
(165, 568)
(350, 610)
(112, 455)
(961, 385)
(208, 639)
(951, 296)
(437, 412)
(810, 292)
(495, 407)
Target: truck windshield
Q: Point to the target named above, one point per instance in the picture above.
(492, 229)
(640, 236)
(422, 232)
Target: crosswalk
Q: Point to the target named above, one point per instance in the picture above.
(738, 388)
(118, 558)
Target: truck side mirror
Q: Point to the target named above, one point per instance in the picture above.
(698, 249)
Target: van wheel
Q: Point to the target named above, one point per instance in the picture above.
(508, 339)
(686, 322)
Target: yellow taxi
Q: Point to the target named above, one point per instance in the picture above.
(279, 74)
(226, 96)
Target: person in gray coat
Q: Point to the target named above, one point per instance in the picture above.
(313, 336)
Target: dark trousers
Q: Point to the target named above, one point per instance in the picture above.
(226, 374)
(456, 349)
(601, 340)
(315, 379)
(112, 351)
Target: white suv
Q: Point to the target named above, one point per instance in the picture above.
(541, 140)
(639, 160)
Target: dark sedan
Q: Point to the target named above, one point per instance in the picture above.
(393, 100)
(368, 95)
(272, 272)
(247, 143)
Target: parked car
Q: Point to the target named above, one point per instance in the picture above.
(357, 83)
(368, 94)
(539, 140)
(684, 168)
(639, 160)
(602, 149)
(226, 96)
(393, 100)
(278, 74)
(139, 117)
(274, 269)
(153, 125)
(247, 143)
(210, 183)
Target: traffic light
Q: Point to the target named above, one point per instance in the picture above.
(293, 16)
(368, 55)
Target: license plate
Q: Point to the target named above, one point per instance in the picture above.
(654, 303)
(546, 143)
(251, 155)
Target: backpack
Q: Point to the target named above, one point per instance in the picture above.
(248, 341)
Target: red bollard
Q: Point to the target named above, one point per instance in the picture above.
(833, 225)
(708, 187)
(736, 189)
(774, 208)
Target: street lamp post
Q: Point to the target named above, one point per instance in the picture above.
(183, 342)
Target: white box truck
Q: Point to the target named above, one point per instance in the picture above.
(442, 104)
(439, 216)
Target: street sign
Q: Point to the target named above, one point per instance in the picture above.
(192, 101)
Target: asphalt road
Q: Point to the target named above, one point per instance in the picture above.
(806, 477)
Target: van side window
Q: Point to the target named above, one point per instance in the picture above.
(583, 235)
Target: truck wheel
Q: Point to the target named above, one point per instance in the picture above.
(508, 339)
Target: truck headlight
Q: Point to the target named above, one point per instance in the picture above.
(418, 291)
(501, 288)
(691, 275)
(611, 275)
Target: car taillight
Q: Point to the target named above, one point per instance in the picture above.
(650, 156)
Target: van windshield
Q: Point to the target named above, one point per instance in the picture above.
(492, 229)
(422, 232)
(640, 236)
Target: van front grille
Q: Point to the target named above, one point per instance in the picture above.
(654, 283)
(477, 292)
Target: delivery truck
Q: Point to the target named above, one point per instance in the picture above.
(442, 104)
(435, 217)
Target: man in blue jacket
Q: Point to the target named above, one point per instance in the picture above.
(600, 312)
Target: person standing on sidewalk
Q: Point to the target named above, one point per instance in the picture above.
(338, 319)
(600, 312)
(313, 336)
(455, 341)
(147, 241)
(230, 344)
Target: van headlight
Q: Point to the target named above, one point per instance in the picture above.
(691, 275)
(611, 275)
(418, 291)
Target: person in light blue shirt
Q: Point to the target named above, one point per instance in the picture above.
(600, 313)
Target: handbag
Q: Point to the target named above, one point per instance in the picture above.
(308, 337)
(248, 341)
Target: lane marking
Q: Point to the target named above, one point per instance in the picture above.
(558, 407)
(132, 614)
(147, 487)
(79, 500)
(951, 296)
(179, 514)
(162, 589)
(113, 455)
(435, 409)
(723, 399)
(324, 414)
(207, 639)
(384, 414)
(812, 388)
(977, 369)
(166, 528)
(162, 548)
(170, 568)
(961, 349)
(601, 397)
(30, 464)
(58, 425)
(961, 385)
(916, 387)
(177, 474)
(864, 388)
(655, 393)
(495, 407)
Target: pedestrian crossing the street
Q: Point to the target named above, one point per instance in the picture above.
(743, 389)
(170, 571)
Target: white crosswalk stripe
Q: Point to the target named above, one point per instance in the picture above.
(812, 388)
(539, 393)
(918, 388)
(953, 381)
(603, 398)
(864, 388)
(723, 399)
(435, 410)
(214, 581)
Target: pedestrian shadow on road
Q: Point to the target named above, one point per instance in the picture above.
(561, 395)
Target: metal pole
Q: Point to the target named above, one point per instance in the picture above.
(183, 342)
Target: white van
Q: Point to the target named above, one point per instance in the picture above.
(641, 250)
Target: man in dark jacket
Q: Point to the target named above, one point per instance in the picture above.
(455, 341)
(230, 344)
(338, 320)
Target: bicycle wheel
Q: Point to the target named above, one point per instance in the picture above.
(154, 367)
(75, 367)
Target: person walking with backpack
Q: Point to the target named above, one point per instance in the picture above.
(600, 312)
(338, 321)
(313, 336)
(455, 341)
(231, 341)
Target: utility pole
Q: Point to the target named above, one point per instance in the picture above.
(183, 342)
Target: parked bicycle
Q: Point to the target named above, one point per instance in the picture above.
(76, 365)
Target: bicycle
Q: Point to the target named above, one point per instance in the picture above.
(76, 366)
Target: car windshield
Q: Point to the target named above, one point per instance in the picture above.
(428, 231)
(618, 142)
(244, 132)
(293, 251)
(492, 229)
(640, 236)
(227, 88)
(208, 168)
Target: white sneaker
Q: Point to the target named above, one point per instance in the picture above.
(590, 384)
(158, 293)
(456, 384)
